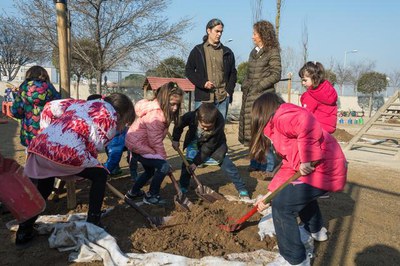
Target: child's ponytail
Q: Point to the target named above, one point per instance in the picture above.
(314, 70)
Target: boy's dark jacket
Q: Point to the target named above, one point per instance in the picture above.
(213, 145)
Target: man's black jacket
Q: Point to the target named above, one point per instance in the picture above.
(196, 72)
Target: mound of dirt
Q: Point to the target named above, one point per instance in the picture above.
(342, 135)
(196, 234)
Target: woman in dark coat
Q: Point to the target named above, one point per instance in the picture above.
(264, 70)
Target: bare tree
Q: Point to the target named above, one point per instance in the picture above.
(256, 9)
(17, 47)
(394, 79)
(304, 41)
(79, 66)
(122, 30)
(278, 17)
(342, 76)
(291, 61)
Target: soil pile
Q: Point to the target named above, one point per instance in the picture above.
(342, 135)
(196, 234)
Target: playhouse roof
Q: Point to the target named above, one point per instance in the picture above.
(154, 83)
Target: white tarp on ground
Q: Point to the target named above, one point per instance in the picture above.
(87, 242)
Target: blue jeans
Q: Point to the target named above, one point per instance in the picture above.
(295, 200)
(227, 166)
(221, 106)
(155, 168)
(268, 166)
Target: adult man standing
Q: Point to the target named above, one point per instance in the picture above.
(211, 68)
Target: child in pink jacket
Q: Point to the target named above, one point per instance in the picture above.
(321, 97)
(145, 140)
(299, 139)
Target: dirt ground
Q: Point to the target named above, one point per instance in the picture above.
(363, 220)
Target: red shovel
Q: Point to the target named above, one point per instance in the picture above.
(238, 224)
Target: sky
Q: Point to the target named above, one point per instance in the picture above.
(334, 27)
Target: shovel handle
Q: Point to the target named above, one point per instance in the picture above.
(287, 182)
(133, 205)
(186, 162)
(115, 191)
(272, 195)
(174, 182)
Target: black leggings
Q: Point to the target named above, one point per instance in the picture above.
(97, 175)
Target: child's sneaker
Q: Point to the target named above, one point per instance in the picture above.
(244, 195)
(280, 261)
(210, 161)
(116, 171)
(321, 235)
(134, 195)
(153, 199)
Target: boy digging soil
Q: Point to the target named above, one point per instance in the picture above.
(206, 132)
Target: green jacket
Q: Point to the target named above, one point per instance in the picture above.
(264, 71)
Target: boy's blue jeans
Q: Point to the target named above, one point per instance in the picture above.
(155, 168)
(221, 106)
(227, 166)
(295, 200)
(268, 166)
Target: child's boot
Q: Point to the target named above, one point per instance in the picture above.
(25, 233)
(94, 218)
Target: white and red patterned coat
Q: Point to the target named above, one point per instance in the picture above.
(73, 131)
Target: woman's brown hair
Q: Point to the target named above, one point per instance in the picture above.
(267, 34)
(263, 110)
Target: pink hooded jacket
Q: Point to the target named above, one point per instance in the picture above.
(321, 102)
(298, 137)
(145, 136)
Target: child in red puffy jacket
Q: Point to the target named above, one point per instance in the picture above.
(299, 139)
(321, 97)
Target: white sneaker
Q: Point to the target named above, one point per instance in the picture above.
(321, 235)
(280, 261)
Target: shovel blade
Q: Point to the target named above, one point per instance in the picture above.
(208, 194)
(158, 221)
(229, 226)
(182, 202)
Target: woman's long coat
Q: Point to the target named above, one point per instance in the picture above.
(264, 70)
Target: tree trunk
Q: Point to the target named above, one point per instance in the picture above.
(370, 104)
(98, 80)
(278, 18)
(12, 76)
(78, 80)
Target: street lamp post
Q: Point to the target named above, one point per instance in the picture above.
(345, 56)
